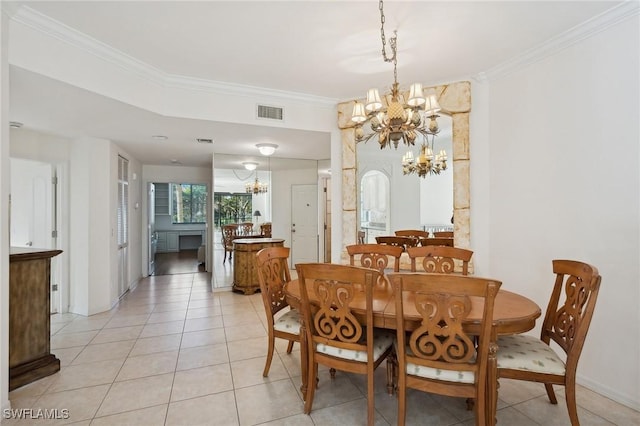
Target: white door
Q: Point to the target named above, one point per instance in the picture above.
(151, 234)
(33, 198)
(304, 224)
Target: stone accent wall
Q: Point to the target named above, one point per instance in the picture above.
(455, 100)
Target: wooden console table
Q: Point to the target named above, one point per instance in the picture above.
(30, 316)
(245, 272)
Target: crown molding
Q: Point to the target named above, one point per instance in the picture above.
(52, 28)
(574, 35)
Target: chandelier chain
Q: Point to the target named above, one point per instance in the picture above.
(393, 42)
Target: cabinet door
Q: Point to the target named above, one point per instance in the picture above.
(162, 242)
(173, 241)
(162, 198)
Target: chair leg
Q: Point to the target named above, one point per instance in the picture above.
(267, 365)
(550, 393)
(370, 398)
(311, 390)
(392, 373)
(290, 347)
(402, 403)
(224, 259)
(570, 393)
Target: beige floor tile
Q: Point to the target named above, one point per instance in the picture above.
(156, 344)
(202, 411)
(84, 324)
(162, 328)
(267, 402)
(296, 420)
(127, 321)
(67, 355)
(206, 323)
(70, 340)
(201, 381)
(335, 392)
(202, 338)
(291, 361)
(541, 411)
(249, 372)
(81, 404)
(152, 416)
(238, 319)
(173, 306)
(83, 375)
(136, 394)
(148, 365)
(117, 334)
(604, 407)
(249, 348)
(33, 389)
(167, 316)
(516, 391)
(204, 303)
(242, 332)
(352, 413)
(202, 356)
(104, 351)
(63, 318)
(421, 408)
(209, 311)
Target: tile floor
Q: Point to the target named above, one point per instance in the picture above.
(175, 353)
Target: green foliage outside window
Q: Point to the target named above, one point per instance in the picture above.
(231, 208)
(189, 203)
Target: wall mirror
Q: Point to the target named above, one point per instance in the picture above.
(389, 200)
(455, 100)
(287, 180)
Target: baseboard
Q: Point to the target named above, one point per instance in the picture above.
(610, 393)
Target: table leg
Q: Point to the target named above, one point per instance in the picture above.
(492, 381)
(304, 359)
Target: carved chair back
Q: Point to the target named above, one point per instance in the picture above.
(440, 259)
(375, 256)
(412, 233)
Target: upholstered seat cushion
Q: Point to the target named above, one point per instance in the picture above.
(289, 322)
(437, 373)
(520, 352)
(382, 340)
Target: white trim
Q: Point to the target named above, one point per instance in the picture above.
(560, 42)
(52, 28)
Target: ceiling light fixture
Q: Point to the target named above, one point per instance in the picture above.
(256, 187)
(394, 120)
(267, 148)
(250, 165)
(424, 164)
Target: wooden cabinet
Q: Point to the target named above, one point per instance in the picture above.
(245, 272)
(162, 242)
(30, 316)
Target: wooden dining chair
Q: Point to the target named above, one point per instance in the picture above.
(523, 357)
(438, 355)
(336, 337)
(265, 230)
(440, 259)
(443, 234)
(375, 256)
(228, 234)
(436, 242)
(412, 233)
(245, 228)
(403, 242)
(273, 274)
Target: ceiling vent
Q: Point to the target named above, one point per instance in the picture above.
(204, 140)
(270, 112)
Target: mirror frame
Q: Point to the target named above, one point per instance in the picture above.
(455, 100)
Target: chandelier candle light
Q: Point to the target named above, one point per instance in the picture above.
(399, 121)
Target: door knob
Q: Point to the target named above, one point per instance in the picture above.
(29, 243)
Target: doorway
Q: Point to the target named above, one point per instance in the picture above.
(304, 224)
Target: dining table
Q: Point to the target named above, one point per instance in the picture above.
(513, 314)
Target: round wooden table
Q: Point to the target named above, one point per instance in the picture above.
(513, 314)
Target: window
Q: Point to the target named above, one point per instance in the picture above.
(188, 202)
(232, 208)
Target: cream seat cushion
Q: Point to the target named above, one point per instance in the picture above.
(521, 352)
(437, 373)
(382, 340)
(289, 322)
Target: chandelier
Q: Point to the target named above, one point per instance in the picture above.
(425, 164)
(399, 121)
(256, 187)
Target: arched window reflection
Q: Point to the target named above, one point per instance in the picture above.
(374, 205)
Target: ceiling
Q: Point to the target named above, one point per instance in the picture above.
(330, 49)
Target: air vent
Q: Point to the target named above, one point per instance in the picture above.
(270, 112)
(203, 140)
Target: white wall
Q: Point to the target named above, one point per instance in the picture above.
(5, 187)
(564, 179)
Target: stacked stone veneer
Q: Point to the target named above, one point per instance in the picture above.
(455, 100)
